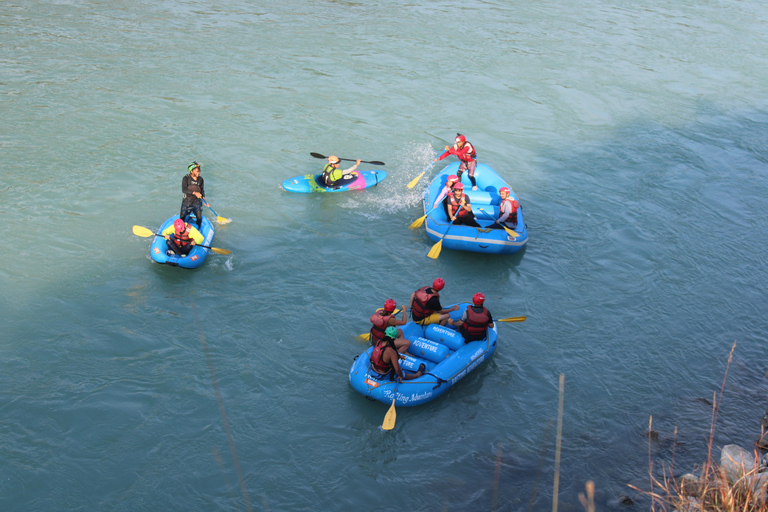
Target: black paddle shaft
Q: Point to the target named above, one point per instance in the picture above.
(374, 162)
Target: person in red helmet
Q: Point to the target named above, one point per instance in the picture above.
(475, 320)
(425, 305)
(180, 242)
(450, 181)
(385, 317)
(465, 152)
(459, 207)
(507, 211)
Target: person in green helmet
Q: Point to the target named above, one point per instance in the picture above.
(194, 192)
(333, 176)
(385, 359)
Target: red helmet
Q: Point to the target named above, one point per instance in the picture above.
(458, 186)
(478, 299)
(390, 305)
(452, 178)
(178, 225)
(438, 284)
(504, 189)
(460, 138)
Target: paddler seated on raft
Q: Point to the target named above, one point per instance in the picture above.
(425, 305)
(459, 207)
(475, 320)
(383, 319)
(447, 189)
(385, 359)
(507, 211)
(194, 191)
(180, 238)
(332, 175)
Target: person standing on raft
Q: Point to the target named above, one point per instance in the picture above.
(383, 319)
(466, 153)
(332, 175)
(425, 305)
(193, 188)
(475, 320)
(385, 359)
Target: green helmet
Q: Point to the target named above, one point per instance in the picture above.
(192, 166)
(391, 332)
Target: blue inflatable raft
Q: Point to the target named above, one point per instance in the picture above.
(442, 350)
(313, 182)
(486, 198)
(196, 256)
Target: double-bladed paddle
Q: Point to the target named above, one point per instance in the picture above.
(146, 233)
(374, 162)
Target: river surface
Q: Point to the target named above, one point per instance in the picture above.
(633, 133)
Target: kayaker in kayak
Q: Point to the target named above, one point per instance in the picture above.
(180, 242)
(332, 175)
(463, 215)
(507, 211)
(465, 152)
(194, 191)
(384, 318)
(475, 320)
(385, 359)
(425, 305)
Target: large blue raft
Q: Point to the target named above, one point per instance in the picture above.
(486, 197)
(314, 182)
(196, 256)
(442, 350)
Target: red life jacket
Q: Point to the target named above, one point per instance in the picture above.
(512, 206)
(377, 359)
(476, 326)
(380, 321)
(182, 240)
(467, 156)
(454, 204)
(420, 299)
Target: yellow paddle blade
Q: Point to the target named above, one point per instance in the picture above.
(511, 233)
(434, 252)
(418, 222)
(389, 419)
(514, 319)
(415, 180)
(220, 251)
(363, 337)
(222, 220)
(142, 231)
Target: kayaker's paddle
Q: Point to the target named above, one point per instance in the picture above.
(389, 419)
(375, 162)
(434, 252)
(146, 233)
(514, 319)
(509, 231)
(219, 219)
(415, 180)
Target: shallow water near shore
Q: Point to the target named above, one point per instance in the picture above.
(634, 137)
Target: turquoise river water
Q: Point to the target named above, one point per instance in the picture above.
(633, 133)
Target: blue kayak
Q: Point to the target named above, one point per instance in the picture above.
(442, 351)
(196, 257)
(485, 205)
(314, 182)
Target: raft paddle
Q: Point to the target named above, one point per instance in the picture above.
(389, 419)
(415, 180)
(219, 219)
(434, 252)
(146, 233)
(374, 162)
(514, 319)
(509, 231)
(418, 222)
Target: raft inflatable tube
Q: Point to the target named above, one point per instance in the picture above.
(196, 257)
(310, 183)
(468, 238)
(442, 351)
